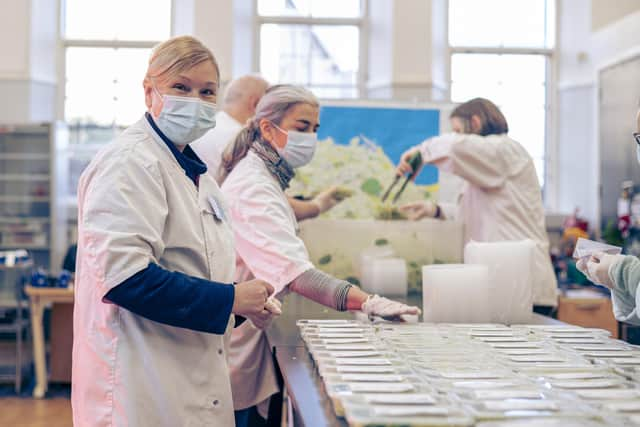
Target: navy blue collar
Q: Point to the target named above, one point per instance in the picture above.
(187, 159)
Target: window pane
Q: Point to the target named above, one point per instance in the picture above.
(318, 55)
(117, 19)
(509, 23)
(516, 83)
(104, 87)
(334, 92)
(312, 8)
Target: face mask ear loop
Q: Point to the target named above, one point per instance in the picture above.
(280, 129)
(154, 88)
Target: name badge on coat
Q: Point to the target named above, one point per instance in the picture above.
(216, 206)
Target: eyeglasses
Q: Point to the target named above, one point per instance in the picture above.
(637, 137)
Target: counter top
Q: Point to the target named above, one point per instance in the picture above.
(310, 404)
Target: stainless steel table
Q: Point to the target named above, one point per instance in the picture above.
(308, 402)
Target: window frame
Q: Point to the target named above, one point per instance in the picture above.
(64, 43)
(360, 22)
(550, 54)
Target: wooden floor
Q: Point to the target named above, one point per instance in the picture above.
(21, 412)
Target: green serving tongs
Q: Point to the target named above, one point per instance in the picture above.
(415, 161)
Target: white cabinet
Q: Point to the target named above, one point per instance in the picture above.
(33, 183)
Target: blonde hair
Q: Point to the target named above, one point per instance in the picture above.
(177, 55)
(273, 106)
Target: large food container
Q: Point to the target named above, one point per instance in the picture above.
(335, 245)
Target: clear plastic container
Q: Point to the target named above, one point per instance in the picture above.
(481, 384)
(527, 408)
(375, 364)
(352, 378)
(529, 392)
(331, 370)
(608, 394)
(630, 372)
(622, 362)
(339, 392)
(607, 382)
(586, 372)
(550, 422)
(517, 345)
(407, 415)
(573, 333)
(466, 374)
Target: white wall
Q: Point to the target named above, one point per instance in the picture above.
(617, 41)
(28, 60)
(213, 24)
(606, 12)
(43, 41)
(224, 26)
(576, 162)
(405, 38)
(14, 43)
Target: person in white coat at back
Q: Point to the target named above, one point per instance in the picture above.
(238, 105)
(501, 199)
(154, 293)
(261, 162)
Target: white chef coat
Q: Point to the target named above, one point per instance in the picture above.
(210, 147)
(501, 199)
(137, 206)
(269, 249)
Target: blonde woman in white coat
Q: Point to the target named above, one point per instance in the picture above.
(154, 299)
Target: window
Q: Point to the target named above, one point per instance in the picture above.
(105, 58)
(315, 43)
(501, 50)
(106, 49)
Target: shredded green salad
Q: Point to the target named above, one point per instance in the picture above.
(362, 168)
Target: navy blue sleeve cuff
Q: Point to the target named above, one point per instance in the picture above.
(176, 299)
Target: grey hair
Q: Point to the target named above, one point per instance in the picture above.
(273, 106)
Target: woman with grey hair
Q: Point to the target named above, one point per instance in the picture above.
(256, 171)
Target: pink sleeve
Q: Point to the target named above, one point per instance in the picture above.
(266, 239)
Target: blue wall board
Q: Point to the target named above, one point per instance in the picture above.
(393, 129)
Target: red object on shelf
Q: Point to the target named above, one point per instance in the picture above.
(574, 221)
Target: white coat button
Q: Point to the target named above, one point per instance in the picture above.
(220, 351)
(216, 402)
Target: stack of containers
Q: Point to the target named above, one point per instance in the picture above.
(475, 374)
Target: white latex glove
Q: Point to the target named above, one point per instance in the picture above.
(418, 210)
(272, 309)
(597, 267)
(376, 305)
(327, 199)
(261, 320)
(273, 305)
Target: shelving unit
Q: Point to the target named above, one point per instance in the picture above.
(33, 186)
(14, 277)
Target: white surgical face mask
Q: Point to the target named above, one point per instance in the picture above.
(300, 147)
(184, 119)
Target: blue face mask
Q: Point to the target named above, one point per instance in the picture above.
(184, 119)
